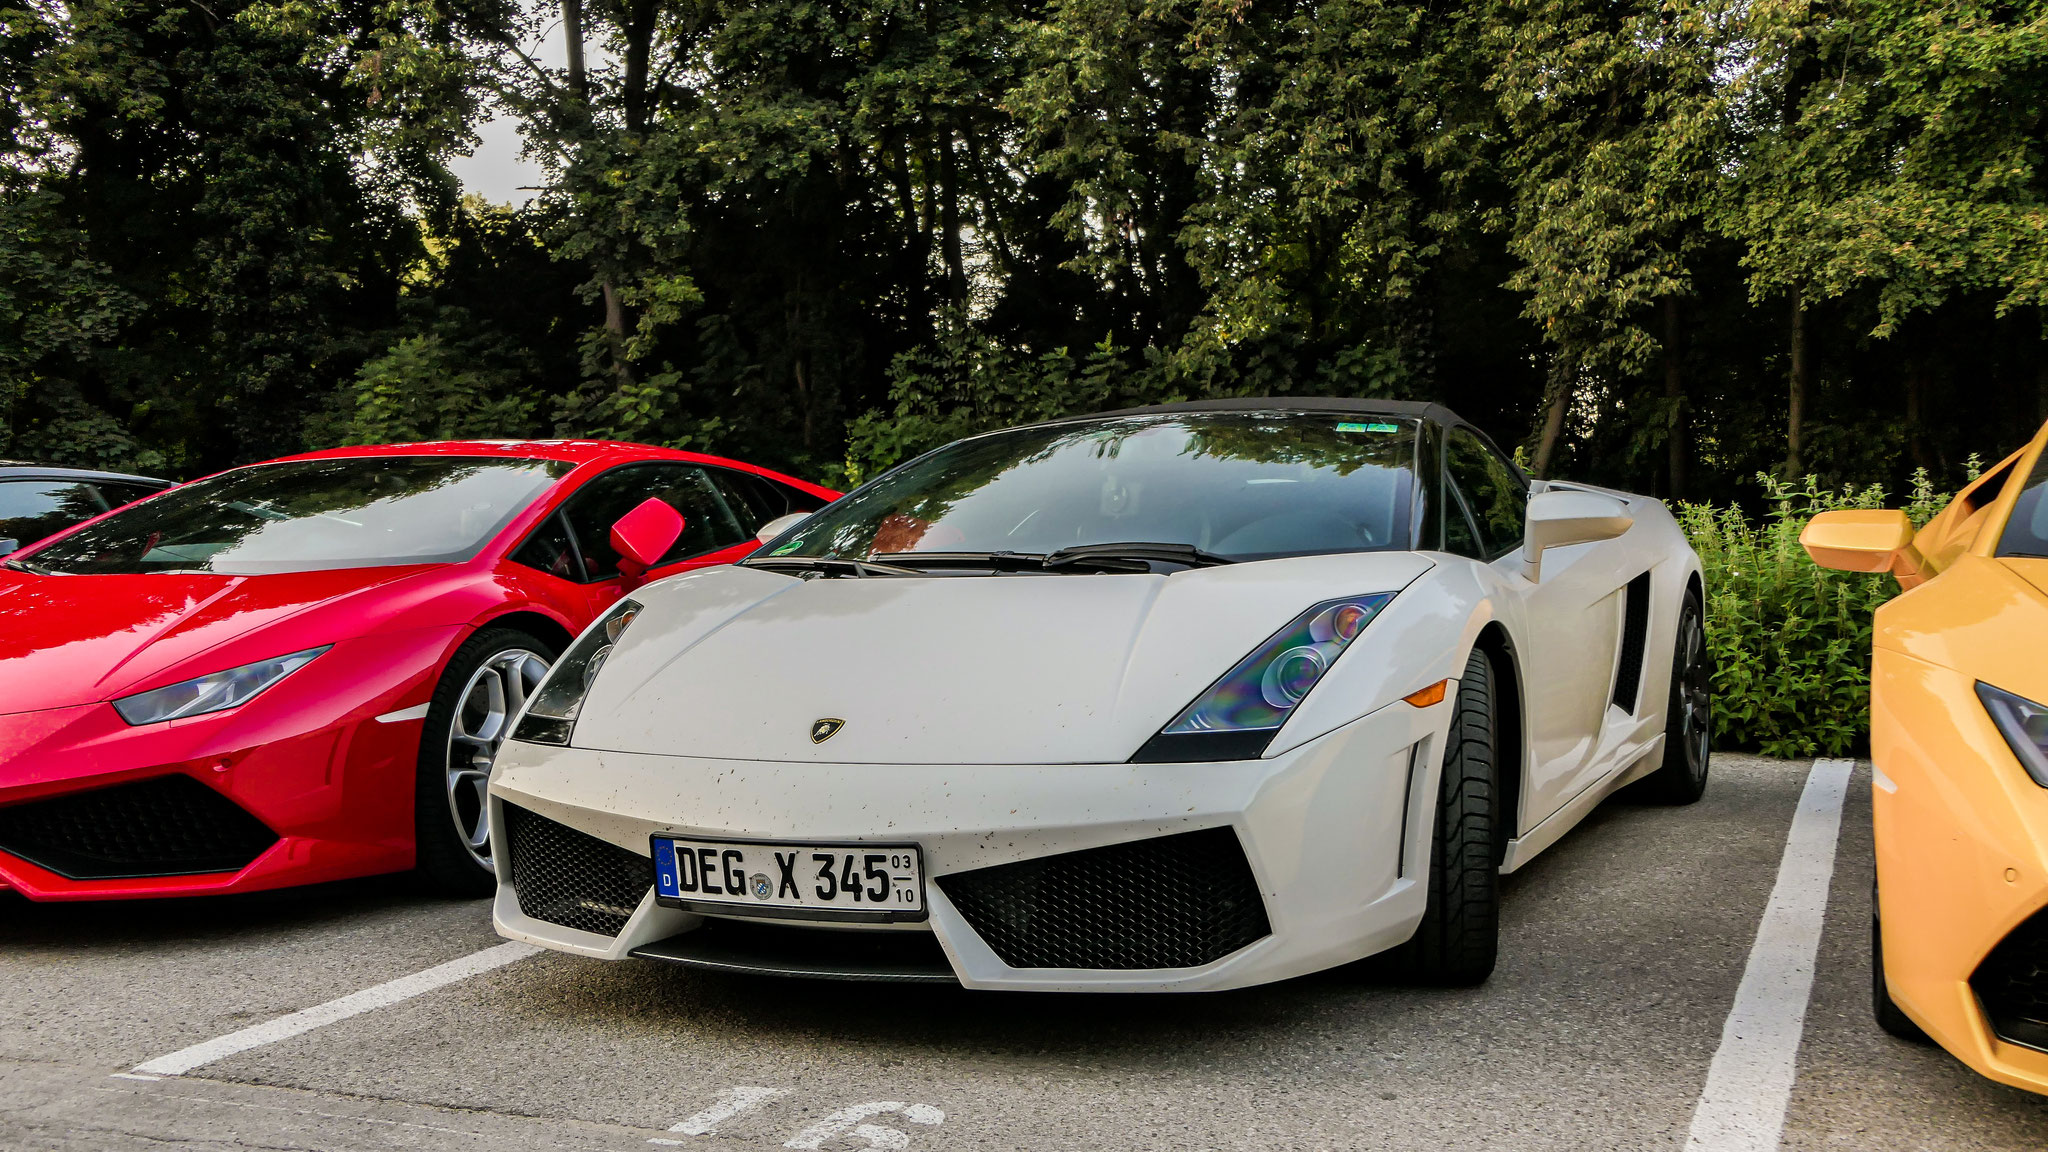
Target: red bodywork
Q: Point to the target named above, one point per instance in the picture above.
(310, 757)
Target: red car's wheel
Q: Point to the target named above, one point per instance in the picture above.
(481, 690)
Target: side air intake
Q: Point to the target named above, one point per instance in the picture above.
(572, 878)
(1635, 637)
(2012, 984)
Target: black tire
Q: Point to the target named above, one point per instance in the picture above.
(1688, 716)
(1889, 1016)
(465, 725)
(1459, 937)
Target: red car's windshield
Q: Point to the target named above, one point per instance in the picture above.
(308, 515)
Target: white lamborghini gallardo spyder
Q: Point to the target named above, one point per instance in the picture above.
(1169, 699)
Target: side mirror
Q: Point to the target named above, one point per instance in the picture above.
(779, 525)
(1561, 516)
(643, 536)
(1864, 540)
(8, 544)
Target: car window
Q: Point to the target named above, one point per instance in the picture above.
(1459, 538)
(33, 509)
(118, 493)
(709, 522)
(752, 501)
(550, 550)
(2026, 532)
(1490, 485)
(311, 515)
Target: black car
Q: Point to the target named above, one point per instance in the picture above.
(37, 500)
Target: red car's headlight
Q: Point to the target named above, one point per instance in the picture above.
(213, 692)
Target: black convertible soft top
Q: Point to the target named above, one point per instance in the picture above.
(1411, 409)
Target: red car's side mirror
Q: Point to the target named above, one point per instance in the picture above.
(643, 536)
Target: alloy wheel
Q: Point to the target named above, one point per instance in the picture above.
(1695, 693)
(482, 720)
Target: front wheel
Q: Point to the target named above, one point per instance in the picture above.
(1459, 936)
(1890, 1016)
(483, 687)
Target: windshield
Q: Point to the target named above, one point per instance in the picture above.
(2026, 533)
(1238, 486)
(307, 515)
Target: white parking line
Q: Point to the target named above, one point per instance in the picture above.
(354, 1004)
(733, 1102)
(1749, 1084)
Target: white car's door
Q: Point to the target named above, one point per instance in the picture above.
(1571, 623)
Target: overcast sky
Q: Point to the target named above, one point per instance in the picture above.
(495, 170)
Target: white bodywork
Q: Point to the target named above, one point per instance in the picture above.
(992, 719)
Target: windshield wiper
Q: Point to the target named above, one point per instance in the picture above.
(31, 569)
(1128, 556)
(999, 561)
(1135, 550)
(834, 565)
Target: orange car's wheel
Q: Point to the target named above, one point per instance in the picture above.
(1889, 1017)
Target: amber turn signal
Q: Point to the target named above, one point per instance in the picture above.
(1434, 694)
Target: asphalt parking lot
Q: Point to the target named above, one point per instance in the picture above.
(1623, 951)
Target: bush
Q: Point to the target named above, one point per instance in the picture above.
(1790, 639)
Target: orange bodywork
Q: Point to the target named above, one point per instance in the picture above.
(1961, 827)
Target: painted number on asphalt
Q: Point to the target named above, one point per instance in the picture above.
(849, 1122)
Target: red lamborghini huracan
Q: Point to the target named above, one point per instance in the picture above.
(300, 671)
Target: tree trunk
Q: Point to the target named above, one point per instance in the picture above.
(615, 330)
(1916, 402)
(1676, 430)
(1553, 421)
(949, 221)
(1795, 409)
(572, 39)
(639, 22)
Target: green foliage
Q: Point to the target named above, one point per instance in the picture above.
(1791, 640)
(969, 384)
(826, 236)
(430, 388)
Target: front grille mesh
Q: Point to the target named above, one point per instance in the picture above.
(1171, 902)
(572, 878)
(2012, 984)
(164, 826)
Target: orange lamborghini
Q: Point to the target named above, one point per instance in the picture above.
(1959, 739)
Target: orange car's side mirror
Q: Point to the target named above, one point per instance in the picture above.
(1864, 540)
(643, 536)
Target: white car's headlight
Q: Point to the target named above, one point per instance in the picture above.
(214, 692)
(1235, 718)
(2024, 724)
(551, 716)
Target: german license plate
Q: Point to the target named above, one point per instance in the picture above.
(859, 882)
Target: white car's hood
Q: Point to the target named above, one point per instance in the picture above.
(739, 663)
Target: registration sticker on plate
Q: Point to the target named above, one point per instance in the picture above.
(858, 882)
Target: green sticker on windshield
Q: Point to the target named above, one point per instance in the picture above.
(1368, 427)
(792, 546)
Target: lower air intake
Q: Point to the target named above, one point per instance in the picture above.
(572, 878)
(164, 826)
(2012, 984)
(1171, 902)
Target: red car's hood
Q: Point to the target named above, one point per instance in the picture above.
(68, 640)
